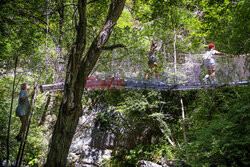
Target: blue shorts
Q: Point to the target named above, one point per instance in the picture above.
(209, 62)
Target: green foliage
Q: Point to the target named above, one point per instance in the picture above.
(130, 115)
(216, 125)
(227, 24)
(160, 152)
(219, 132)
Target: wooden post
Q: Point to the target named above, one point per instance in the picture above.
(11, 108)
(175, 78)
(183, 122)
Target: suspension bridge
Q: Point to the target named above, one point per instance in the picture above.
(186, 75)
(112, 83)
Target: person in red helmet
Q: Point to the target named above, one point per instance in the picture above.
(209, 62)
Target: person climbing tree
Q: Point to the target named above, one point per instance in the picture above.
(23, 109)
(209, 62)
(152, 64)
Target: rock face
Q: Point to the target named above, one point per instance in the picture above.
(90, 146)
(93, 142)
(142, 163)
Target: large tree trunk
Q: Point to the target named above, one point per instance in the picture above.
(78, 70)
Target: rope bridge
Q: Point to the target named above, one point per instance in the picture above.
(112, 83)
(187, 74)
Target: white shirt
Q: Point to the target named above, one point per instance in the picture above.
(208, 57)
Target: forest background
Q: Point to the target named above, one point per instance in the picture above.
(38, 37)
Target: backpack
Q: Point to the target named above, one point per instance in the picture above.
(151, 60)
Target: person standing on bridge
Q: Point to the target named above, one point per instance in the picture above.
(152, 64)
(23, 109)
(209, 62)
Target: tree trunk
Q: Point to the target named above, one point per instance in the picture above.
(60, 59)
(76, 76)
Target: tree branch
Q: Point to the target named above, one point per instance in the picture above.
(36, 22)
(91, 2)
(61, 21)
(79, 46)
(82, 27)
(91, 57)
(113, 47)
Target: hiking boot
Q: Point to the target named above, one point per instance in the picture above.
(205, 80)
(214, 83)
(160, 82)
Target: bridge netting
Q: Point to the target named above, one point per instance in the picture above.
(187, 73)
(189, 69)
